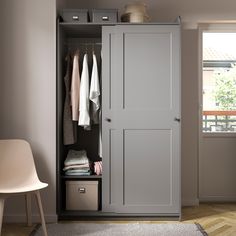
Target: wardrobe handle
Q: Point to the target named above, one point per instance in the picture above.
(105, 18)
(108, 119)
(75, 18)
(177, 119)
(82, 190)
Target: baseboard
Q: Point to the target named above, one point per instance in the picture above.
(22, 218)
(217, 199)
(190, 202)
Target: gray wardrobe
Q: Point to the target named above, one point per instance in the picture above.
(140, 118)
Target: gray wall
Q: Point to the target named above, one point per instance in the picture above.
(27, 90)
(189, 129)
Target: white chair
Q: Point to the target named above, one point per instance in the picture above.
(18, 176)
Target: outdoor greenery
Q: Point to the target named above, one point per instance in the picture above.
(225, 90)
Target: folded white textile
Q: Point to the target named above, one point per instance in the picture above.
(75, 157)
(76, 167)
(87, 173)
(78, 171)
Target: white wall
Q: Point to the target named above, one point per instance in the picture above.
(27, 90)
(217, 169)
(189, 127)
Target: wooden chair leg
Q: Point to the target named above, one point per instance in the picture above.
(2, 200)
(41, 212)
(28, 209)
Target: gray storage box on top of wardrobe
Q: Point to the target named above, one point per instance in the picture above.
(75, 15)
(104, 15)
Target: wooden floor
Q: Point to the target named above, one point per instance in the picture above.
(216, 219)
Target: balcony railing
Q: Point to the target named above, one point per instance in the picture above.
(219, 121)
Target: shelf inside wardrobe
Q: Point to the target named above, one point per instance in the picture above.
(92, 29)
(81, 177)
(81, 29)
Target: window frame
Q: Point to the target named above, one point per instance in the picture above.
(210, 28)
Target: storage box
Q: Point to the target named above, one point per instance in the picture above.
(104, 15)
(75, 15)
(82, 195)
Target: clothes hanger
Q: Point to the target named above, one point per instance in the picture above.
(68, 55)
(77, 51)
(86, 48)
(93, 49)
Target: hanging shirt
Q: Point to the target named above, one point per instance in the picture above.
(94, 93)
(75, 88)
(84, 118)
(69, 130)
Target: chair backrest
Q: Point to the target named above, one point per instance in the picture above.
(17, 167)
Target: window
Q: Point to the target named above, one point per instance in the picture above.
(219, 82)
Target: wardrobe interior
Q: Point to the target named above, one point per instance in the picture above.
(83, 39)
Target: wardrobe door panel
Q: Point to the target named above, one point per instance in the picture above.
(145, 181)
(144, 83)
(147, 65)
(111, 186)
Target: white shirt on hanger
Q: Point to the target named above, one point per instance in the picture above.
(95, 91)
(94, 96)
(84, 118)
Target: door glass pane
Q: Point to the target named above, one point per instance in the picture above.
(219, 82)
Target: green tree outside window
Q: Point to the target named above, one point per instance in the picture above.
(225, 90)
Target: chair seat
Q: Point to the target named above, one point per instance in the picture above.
(23, 189)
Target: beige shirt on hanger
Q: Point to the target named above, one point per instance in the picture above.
(75, 88)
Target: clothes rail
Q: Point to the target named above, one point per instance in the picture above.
(84, 44)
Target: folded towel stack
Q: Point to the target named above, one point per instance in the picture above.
(77, 163)
(98, 167)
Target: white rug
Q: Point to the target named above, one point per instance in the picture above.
(121, 229)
